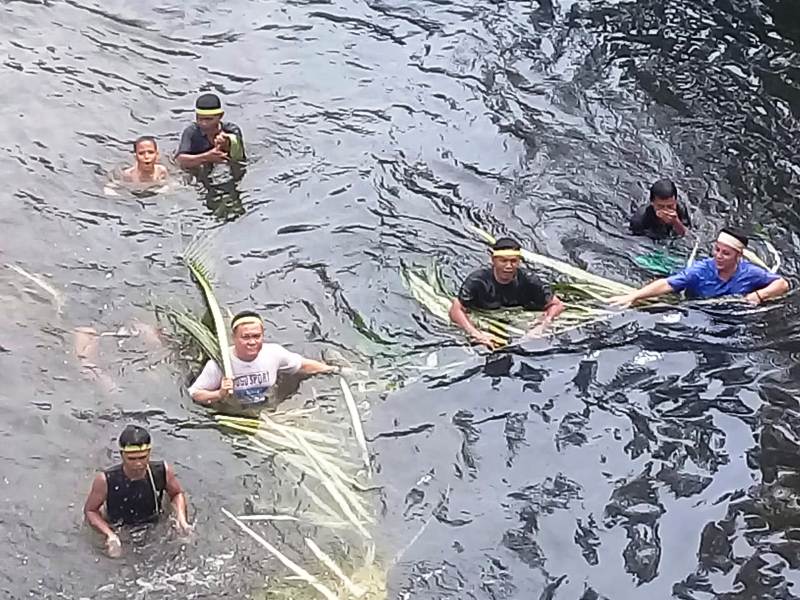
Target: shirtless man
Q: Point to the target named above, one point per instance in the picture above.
(146, 169)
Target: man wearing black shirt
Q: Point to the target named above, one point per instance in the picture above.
(209, 140)
(502, 285)
(664, 217)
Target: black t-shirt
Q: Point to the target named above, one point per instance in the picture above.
(194, 141)
(645, 222)
(482, 291)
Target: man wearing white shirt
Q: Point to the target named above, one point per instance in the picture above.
(255, 366)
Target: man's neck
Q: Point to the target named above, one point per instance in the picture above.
(129, 476)
(728, 273)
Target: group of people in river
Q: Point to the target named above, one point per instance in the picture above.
(506, 284)
(131, 492)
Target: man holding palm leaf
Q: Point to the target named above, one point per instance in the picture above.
(255, 366)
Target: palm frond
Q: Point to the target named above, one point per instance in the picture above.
(195, 259)
(287, 562)
(198, 331)
(612, 287)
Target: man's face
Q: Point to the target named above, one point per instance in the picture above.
(505, 268)
(209, 124)
(146, 155)
(135, 463)
(665, 207)
(247, 340)
(725, 257)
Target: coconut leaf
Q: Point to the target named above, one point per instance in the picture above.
(195, 329)
(194, 258)
(291, 565)
(612, 287)
(358, 429)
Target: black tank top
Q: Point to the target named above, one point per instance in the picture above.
(132, 502)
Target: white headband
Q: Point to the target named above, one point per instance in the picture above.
(729, 240)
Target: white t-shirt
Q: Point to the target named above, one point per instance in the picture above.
(251, 380)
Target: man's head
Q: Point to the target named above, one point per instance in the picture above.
(728, 248)
(664, 198)
(146, 150)
(506, 258)
(134, 447)
(248, 334)
(208, 113)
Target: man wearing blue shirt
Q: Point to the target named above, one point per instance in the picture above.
(727, 274)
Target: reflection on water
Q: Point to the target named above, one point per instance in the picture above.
(654, 454)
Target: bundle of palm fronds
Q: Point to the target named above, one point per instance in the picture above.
(331, 485)
(584, 296)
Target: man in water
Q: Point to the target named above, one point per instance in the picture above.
(502, 285)
(727, 274)
(209, 140)
(133, 490)
(664, 217)
(255, 366)
(146, 169)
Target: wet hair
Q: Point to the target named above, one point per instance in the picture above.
(737, 233)
(144, 138)
(506, 243)
(133, 435)
(242, 315)
(208, 102)
(663, 188)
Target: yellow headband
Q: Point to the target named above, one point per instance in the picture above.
(246, 320)
(729, 240)
(136, 447)
(507, 253)
(208, 112)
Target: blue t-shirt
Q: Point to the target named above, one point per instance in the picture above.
(702, 280)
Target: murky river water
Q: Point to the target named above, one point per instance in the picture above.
(626, 461)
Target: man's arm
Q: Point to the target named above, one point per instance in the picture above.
(552, 309)
(309, 366)
(659, 287)
(459, 316)
(775, 289)
(678, 226)
(94, 502)
(210, 386)
(191, 161)
(91, 510)
(177, 498)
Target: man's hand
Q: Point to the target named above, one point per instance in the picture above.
(222, 143)
(667, 216)
(623, 301)
(215, 155)
(754, 298)
(537, 329)
(113, 546)
(182, 526)
(483, 338)
(226, 388)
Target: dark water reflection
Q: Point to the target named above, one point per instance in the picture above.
(652, 456)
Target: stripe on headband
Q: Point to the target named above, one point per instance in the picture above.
(507, 253)
(136, 447)
(209, 112)
(729, 240)
(246, 320)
